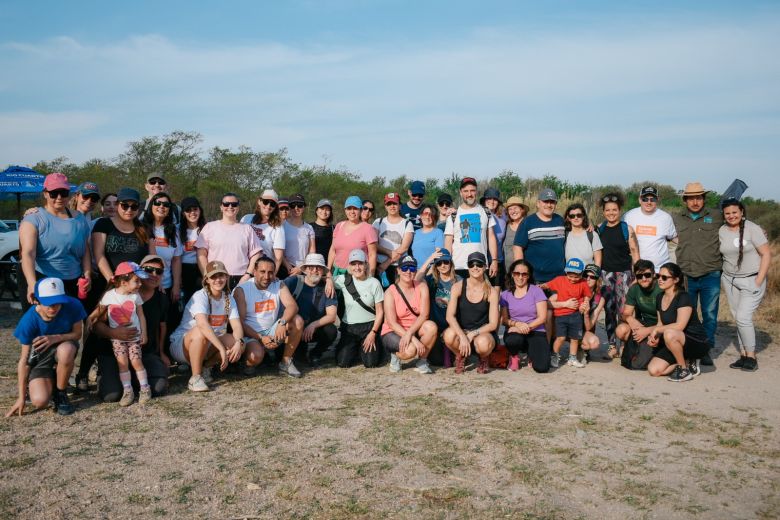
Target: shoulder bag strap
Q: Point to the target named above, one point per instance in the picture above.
(349, 283)
(403, 296)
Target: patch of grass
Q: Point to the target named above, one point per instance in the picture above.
(587, 421)
(171, 475)
(646, 417)
(681, 424)
(445, 497)
(526, 474)
(729, 442)
(183, 493)
(139, 499)
(639, 495)
(20, 462)
(112, 477)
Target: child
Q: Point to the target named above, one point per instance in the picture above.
(570, 301)
(49, 333)
(125, 308)
(590, 341)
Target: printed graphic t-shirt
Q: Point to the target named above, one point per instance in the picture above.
(469, 234)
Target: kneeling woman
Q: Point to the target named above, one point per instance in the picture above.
(202, 338)
(407, 332)
(473, 316)
(523, 313)
(679, 339)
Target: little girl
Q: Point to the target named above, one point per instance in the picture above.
(124, 307)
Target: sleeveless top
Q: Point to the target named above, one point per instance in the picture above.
(615, 255)
(403, 315)
(471, 316)
(263, 306)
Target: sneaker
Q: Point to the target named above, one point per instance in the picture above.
(694, 368)
(127, 397)
(482, 366)
(514, 363)
(555, 360)
(207, 375)
(706, 360)
(460, 364)
(289, 368)
(144, 395)
(750, 365)
(62, 404)
(423, 367)
(574, 362)
(82, 384)
(738, 363)
(395, 363)
(679, 375)
(247, 370)
(582, 356)
(197, 384)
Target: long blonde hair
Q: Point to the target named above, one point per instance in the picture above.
(225, 293)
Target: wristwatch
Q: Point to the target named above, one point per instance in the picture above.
(282, 321)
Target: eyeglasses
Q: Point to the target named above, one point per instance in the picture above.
(474, 263)
(408, 269)
(445, 204)
(156, 182)
(126, 205)
(59, 194)
(268, 202)
(366, 208)
(153, 270)
(520, 274)
(576, 215)
(162, 203)
(94, 198)
(664, 277)
(230, 204)
(609, 198)
(645, 276)
(591, 277)
(649, 199)
(297, 205)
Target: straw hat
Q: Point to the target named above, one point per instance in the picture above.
(693, 189)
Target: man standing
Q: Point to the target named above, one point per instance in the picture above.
(317, 310)
(698, 255)
(395, 236)
(470, 230)
(411, 210)
(540, 239)
(654, 228)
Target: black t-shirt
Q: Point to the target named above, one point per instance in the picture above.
(155, 312)
(412, 215)
(615, 255)
(323, 238)
(120, 247)
(694, 328)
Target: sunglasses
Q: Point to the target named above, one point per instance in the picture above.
(267, 202)
(153, 270)
(443, 262)
(190, 210)
(408, 269)
(366, 208)
(649, 199)
(609, 198)
(156, 182)
(59, 194)
(445, 204)
(474, 263)
(230, 204)
(576, 215)
(645, 276)
(94, 198)
(297, 205)
(284, 208)
(162, 203)
(664, 277)
(126, 205)
(520, 274)
(591, 277)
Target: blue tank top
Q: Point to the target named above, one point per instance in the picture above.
(61, 243)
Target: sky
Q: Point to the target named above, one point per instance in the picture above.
(596, 92)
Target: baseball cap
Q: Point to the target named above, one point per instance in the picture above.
(392, 197)
(88, 188)
(128, 194)
(155, 176)
(297, 198)
(444, 197)
(189, 202)
(50, 291)
(593, 268)
(130, 267)
(270, 195)
(56, 181)
(357, 255)
(283, 202)
(648, 190)
(468, 180)
(574, 265)
(548, 194)
(476, 256)
(445, 256)
(417, 188)
(152, 258)
(407, 261)
(215, 267)
(324, 202)
(314, 259)
(353, 202)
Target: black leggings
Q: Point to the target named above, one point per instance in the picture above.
(191, 280)
(323, 338)
(351, 345)
(535, 344)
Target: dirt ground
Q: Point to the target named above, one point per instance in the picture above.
(600, 442)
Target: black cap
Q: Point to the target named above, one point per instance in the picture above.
(444, 197)
(189, 202)
(648, 190)
(298, 198)
(476, 256)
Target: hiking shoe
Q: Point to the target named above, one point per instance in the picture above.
(706, 360)
(197, 384)
(127, 397)
(574, 362)
(694, 368)
(739, 363)
(144, 395)
(679, 375)
(62, 404)
(750, 365)
(514, 363)
(395, 363)
(82, 384)
(207, 375)
(289, 368)
(460, 364)
(612, 352)
(482, 366)
(555, 360)
(582, 356)
(423, 367)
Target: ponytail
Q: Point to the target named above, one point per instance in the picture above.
(741, 241)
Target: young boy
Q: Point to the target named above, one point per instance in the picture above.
(49, 334)
(571, 299)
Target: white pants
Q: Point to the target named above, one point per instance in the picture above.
(744, 296)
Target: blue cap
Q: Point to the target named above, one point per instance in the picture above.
(50, 291)
(417, 188)
(353, 202)
(445, 256)
(574, 265)
(407, 260)
(88, 188)
(128, 194)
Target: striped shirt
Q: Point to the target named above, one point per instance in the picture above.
(543, 245)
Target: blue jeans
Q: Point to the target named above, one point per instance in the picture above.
(706, 290)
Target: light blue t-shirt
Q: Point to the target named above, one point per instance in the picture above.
(61, 243)
(425, 243)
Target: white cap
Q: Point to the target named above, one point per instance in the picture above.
(315, 259)
(270, 194)
(357, 255)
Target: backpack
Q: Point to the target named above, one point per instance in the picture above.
(499, 358)
(623, 227)
(636, 356)
(590, 236)
(299, 285)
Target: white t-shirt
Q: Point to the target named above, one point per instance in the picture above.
(297, 239)
(471, 233)
(270, 237)
(263, 306)
(652, 233)
(190, 254)
(578, 246)
(166, 252)
(214, 310)
(122, 309)
(391, 235)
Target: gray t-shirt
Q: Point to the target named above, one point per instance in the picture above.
(578, 246)
(753, 238)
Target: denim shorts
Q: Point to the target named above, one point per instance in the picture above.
(569, 326)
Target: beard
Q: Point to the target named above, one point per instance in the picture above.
(315, 278)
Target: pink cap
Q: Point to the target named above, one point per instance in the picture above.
(56, 181)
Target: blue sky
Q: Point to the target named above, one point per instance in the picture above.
(600, 92)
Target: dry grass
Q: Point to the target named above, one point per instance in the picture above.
(769, 311)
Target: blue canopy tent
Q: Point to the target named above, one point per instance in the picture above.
(20, 182)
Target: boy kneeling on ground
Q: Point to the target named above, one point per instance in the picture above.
(49, 333)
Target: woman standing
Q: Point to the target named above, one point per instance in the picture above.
(368, 211)
(491, 201)
(440, 281)
(299, 238)
(620, 252)
(107, 206)
(350, 234)
(53, 243)
(86, 198)
(472, 315)
(523, 313)
(121, 238)
(165, 243)
(746, 260)
(267, 225)
(429, 238)
(323, 227)
(581, 243)
(516, 212)
(190, 226)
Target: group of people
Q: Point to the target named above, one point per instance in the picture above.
(150, 282)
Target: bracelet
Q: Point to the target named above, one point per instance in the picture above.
(249, 274)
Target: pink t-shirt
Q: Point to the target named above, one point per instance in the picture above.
(403, 315)
(231, 244)
(344, 243)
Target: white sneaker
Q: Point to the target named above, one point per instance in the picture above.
(197, 384)
(289, 368)
(395, 363)
(574, 362)
(423, 367)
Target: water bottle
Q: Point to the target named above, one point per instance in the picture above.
(82, 283)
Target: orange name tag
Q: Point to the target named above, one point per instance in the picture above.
(647, 230)
(161, 242)
(217, 320)
(189, 245)
(265, 306)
